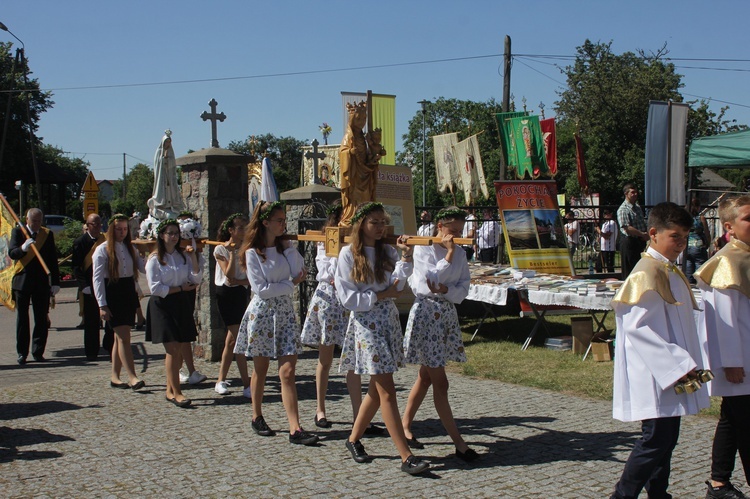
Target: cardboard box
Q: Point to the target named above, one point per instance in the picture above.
(601, 351)
(583, 330)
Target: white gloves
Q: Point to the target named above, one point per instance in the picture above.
(26, 245)
(54, 290)
(86, 290)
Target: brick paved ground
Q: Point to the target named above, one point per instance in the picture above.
(65, 433)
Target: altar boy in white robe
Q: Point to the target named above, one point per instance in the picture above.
(724, 281)
(657, 347)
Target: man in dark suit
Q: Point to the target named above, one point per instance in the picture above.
(83, 252)
(31, 285)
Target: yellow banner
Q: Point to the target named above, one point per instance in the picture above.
(7, 222)
(532, 226)
(384, 117)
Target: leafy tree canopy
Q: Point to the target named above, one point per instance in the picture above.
(285, 154)
(139, 185)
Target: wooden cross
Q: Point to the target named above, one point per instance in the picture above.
(213, 117)
(315, 156)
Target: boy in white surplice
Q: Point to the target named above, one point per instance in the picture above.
(657, 347)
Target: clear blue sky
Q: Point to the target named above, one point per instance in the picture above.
(84, 43)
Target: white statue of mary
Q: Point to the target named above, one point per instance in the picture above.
(166, 199)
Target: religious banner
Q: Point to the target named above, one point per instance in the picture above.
(549, 135)
(532, 226)
(268, 190)
(506, 136)
(7, 222)
(529, 147)
(583, 176)
(395, 190)
(384, 117)
(665, 153)
(469, 163)
(328, 167)
(445, 166)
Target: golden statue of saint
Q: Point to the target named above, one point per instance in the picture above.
(358, 166)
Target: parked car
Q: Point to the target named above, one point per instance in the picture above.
(55, 223)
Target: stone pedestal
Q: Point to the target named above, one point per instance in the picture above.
(214, 185)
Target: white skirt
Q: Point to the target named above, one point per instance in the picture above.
(373, 341)
(326, 318)
(269, 328)
(433, 335)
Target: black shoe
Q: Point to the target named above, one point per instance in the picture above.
(119, 385)
(374, 430)
(39, 358)
(726, 491)
(303, 438)
(413, 465)
(358, 451)
(261, 428)
(21, 360)
(182, 403)
(467, 456)
(322, 422)
(414, 443)
(140, 384)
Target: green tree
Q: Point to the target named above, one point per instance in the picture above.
(285, 154)
(607, 100)
(76, 168)
(139, 185)
(16, 154)
(446, 116)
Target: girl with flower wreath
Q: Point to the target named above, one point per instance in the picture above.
(433, 336)
(115, 271)
(172, 274)
(232, 297)
(326, 320)
(369, 275)
(269, 327)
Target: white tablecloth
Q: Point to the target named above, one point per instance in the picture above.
(494, 294)
(585, 302)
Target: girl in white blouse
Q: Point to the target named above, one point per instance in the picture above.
(433, 335)
(232, 297)
(116, 266)
(172, 272)
(368, 276)
(269, 327)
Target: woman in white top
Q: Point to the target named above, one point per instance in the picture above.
(116, 266)
(326, 322)
(232, 297)
(269, 327)
(433, 335)
(172, 273)
(368, 276)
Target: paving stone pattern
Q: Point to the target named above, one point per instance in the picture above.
(65, 433)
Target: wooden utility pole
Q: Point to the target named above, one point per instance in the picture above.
(124, 173)
(506, 98)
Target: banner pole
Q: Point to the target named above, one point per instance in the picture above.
(25, 233)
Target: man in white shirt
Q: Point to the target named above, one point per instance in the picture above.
(427, 228)
(608, 241)
(572, 231)
(488, 238)
(470, 232)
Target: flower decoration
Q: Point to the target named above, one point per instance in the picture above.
(148, 228)
(190, 228)
(365, 210)
(266, 213)
(326, 130)
(450, 213)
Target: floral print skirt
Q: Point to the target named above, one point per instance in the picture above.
(269, 328)
(433, 335)
(326, 318)
(373, 341)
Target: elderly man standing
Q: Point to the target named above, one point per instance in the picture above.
(31, 285)
(632, 224)
(83, 252)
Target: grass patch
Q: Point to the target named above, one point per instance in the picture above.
(496, 353)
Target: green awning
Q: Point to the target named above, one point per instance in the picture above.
(728, 150)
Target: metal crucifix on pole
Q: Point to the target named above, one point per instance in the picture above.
(213, 117)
